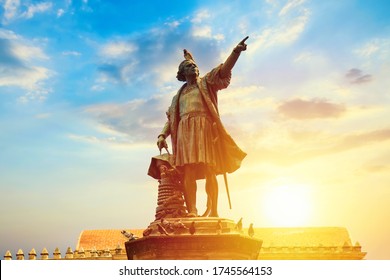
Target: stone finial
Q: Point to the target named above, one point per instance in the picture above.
(94, 253)
(57, 254)
(69, 253)
(44, 254)
(118, 249)
(32, 255)
(8, 256)
(107, 253)
(347, 246)
(357, 247)
(81, 253)
(20, 255)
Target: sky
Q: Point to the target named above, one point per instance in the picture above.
(85, 84)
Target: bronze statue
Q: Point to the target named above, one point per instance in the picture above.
(201, 146)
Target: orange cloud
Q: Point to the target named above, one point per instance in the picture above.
(313, 109)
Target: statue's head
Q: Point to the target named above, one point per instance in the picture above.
(187, 67)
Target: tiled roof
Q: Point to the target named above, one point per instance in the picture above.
(102, 239)
(303, 237)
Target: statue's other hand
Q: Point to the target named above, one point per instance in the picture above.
(161, 143)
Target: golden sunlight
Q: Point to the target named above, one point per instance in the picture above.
(287, 205)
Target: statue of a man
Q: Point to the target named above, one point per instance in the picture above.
(201, 146)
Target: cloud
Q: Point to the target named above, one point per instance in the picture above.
(13, 10)
(117, 49)
(173, 24)
(202, 26)
(290, 5)
(288, 146)
(200, 16)
(117, 61)
(147, 56)
(36, 8)
(71, 53)
(116, 73)
(355, 76)
(60, 12)
(36, 95)
(313, 109)
(375, 47)
(364, 138)
(97, 87)
(375, 168)
(206, 32)
(134, 122)
(284, 32)
(20, 65)
(154, 55)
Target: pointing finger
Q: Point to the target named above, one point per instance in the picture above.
(243, 40)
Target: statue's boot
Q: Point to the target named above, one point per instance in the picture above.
(212, 196)
(190, 198)
(208, 209)
(214, 205)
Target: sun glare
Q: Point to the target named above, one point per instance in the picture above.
(287, 205)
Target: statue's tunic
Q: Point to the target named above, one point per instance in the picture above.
(198, 136)
(195, 141)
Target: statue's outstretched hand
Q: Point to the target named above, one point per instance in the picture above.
(241, 46)
(161, 143)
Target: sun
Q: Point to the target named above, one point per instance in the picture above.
(288, 205)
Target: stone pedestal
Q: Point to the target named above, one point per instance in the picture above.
(193, 239)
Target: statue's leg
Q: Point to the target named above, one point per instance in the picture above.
(190, 191)
(208, 209)
(212, 192)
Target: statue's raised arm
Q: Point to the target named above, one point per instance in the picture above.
(231, 60)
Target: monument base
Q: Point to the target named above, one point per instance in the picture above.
(193, 239)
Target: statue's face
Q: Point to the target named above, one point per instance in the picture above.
(190, 69)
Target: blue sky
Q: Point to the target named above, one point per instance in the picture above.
(84, 86)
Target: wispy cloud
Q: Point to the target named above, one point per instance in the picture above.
(205, 31)
(36, 95)
(292, 146)
(200, 16)
(310, 109)
(71, 53)
(36, 8)
(289, 6)
(60, 12)
(376, 46)
(13, 9)
(375, 168)
(120, 49)
(20, 64)
(128, 121)
(291, 23)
